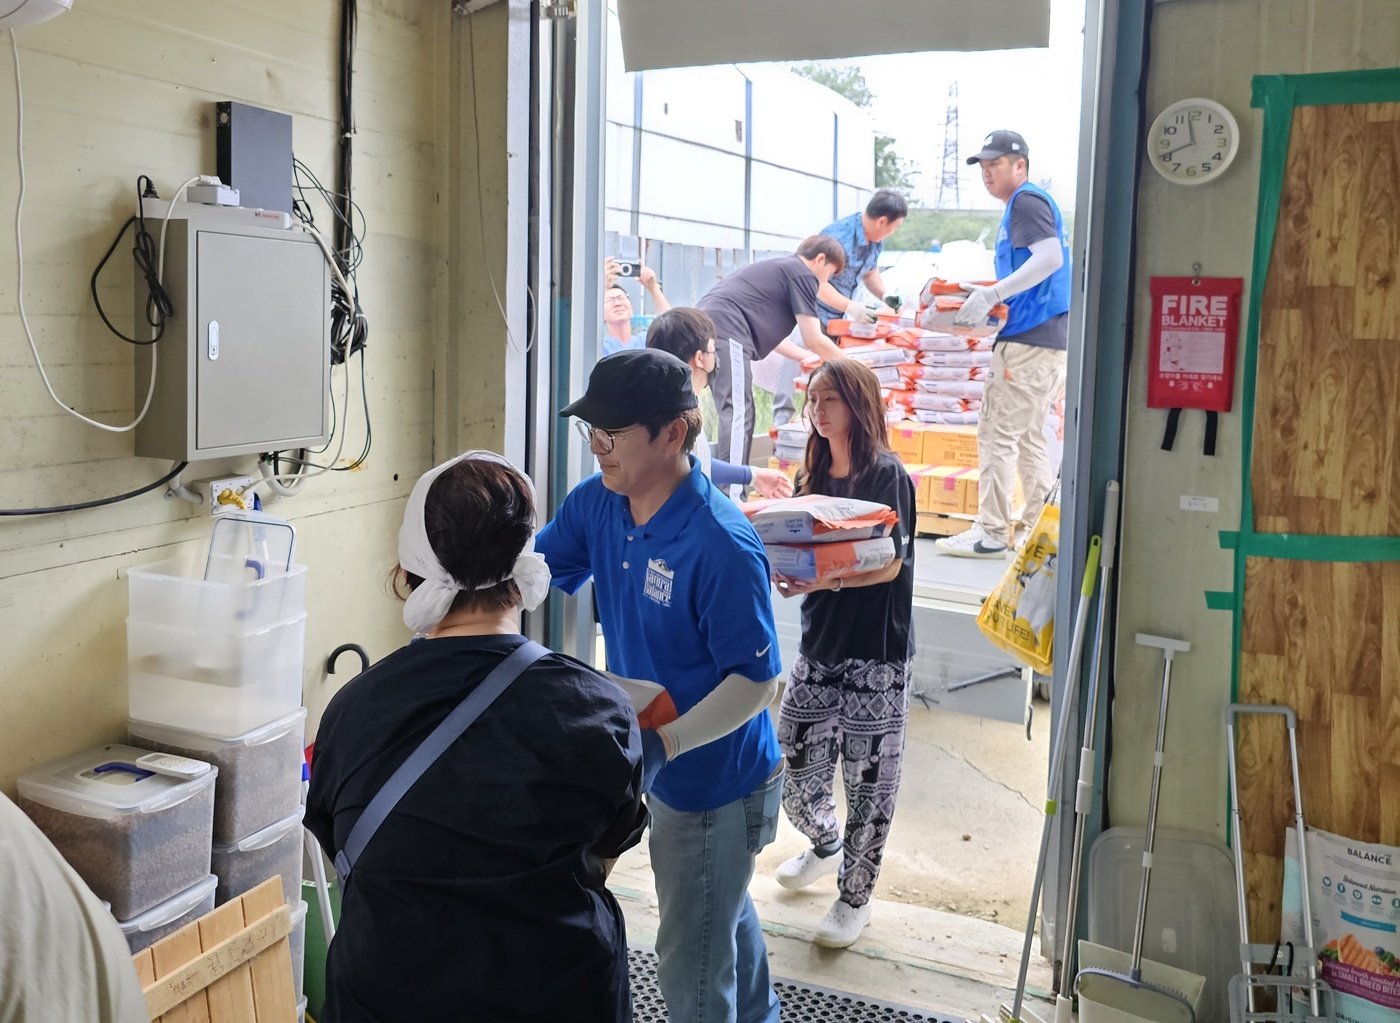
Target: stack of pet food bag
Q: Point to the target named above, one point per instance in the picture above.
(932, 372)
(815, 538)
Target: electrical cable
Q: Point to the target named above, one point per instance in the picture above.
(481, 220)
(98, 502)
(158, 304)
(19, 271)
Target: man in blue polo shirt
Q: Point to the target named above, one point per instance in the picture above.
(683, 595)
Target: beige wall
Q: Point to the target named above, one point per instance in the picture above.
(114, 89)
(1208, 48)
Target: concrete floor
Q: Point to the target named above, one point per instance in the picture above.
(945, 935)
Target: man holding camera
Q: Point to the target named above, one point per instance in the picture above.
(617, 305)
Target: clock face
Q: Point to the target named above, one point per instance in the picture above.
(1193, 141)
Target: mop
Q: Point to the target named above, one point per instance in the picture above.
(1084, 788)
(1106, 991)
(1057, 758)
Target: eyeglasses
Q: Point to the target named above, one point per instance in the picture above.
(605, 439)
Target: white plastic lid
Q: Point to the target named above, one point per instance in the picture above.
(171, 736)
(262, 839)
(298, 914)
(106, 783)
(171, 909)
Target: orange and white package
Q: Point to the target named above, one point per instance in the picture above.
(865, 331)
(938, 286)
(820, 561)
(818, 518)
(879, 355)
(941, 316)
(650, 700)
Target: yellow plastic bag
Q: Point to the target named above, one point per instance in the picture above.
(1019, 615)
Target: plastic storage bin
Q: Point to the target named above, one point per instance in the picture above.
(219, 684)
(175, 593)
(297, 939)
(249, 862)
(169, 916)
(137, 838)
(259, 771)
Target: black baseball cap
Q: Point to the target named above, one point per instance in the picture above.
(1001, 143)
(632, 385)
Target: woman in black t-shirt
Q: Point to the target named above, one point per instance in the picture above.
(481, 896)
(848, 692)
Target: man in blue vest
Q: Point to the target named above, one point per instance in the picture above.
(1028, 363)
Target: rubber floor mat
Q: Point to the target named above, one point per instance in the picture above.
(802, 1003)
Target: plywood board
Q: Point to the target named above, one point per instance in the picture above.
(1327, 409)
(1323, 638)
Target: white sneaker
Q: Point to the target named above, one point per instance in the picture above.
(971, 543)
(842, 925)
(806, 867)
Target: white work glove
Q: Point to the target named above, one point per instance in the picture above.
(979, 302)
(859, 312)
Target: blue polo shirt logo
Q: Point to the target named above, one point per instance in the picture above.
(659, 583)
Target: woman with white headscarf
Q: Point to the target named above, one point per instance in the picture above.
(473, 861)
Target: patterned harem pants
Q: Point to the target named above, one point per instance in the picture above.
(857, 709)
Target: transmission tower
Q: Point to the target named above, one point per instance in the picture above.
(948, 183)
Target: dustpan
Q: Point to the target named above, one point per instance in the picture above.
(1106, 993)
(1113, 986)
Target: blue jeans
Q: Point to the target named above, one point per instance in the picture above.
(713, 964)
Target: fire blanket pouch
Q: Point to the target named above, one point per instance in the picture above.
(1019, 615)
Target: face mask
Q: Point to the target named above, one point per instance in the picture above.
(427, 605)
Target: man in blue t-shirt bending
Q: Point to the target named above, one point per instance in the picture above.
(1027, 374)
(682, 586)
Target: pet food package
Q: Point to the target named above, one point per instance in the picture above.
(653, 705)
(1354, 894)
(818, 518)
(820, 561)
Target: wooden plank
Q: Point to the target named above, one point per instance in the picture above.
(932, 524)
(274, 995)
(231, 991)
(1276, 416)
(1335, 217)
(1378, 255)
(223, 960)
(169, 955)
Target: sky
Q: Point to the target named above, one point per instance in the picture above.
(1034, 92)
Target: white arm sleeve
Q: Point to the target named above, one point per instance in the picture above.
(1045, 259)
(732, 703)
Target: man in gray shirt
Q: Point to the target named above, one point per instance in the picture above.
(754, 310)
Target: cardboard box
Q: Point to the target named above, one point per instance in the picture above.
(948, 445)
(947, 490)
(934, 444)
(907, 442)
(789, 468)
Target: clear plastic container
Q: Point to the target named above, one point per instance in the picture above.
(297, 939)
(244, 546)
(136, 837)
(259, 771)
(175, 593)
(245, 864)
(219, 684)
(169, 916)
(301, 1010)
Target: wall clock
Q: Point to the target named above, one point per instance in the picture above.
(1193, 141)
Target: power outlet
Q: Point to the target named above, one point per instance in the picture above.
(217, 485)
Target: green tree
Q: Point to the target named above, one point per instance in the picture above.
(891, 171)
